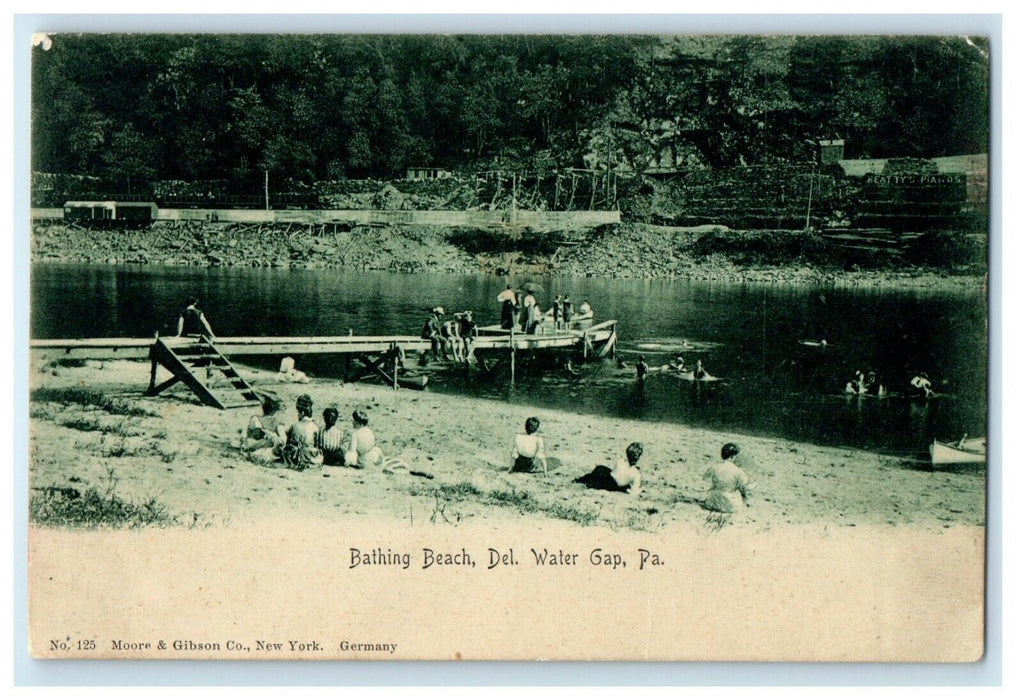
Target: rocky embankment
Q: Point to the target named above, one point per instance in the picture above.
(625, 250)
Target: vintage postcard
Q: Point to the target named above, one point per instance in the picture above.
(517, 347)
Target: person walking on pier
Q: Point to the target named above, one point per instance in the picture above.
(193, 322)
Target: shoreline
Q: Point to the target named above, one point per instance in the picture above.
(427, 249)
(186, 456)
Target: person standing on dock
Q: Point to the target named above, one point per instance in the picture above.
(507, 301)
(558, 311)
(529, 312)
(192, 321)
(566, 311)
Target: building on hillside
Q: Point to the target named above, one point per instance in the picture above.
(93, 212)
(422, 173)
(830, 151)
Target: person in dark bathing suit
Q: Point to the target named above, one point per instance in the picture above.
(641, 368)
(193, 322)
(625, 477)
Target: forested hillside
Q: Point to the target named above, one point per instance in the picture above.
(134, 108)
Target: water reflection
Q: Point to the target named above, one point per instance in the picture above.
(750, 335)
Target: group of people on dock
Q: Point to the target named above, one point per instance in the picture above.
(730, 484)
(306, 444)
(451, 338)
(521, 311)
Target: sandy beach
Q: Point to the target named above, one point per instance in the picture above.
(842, 555)
(187, 456)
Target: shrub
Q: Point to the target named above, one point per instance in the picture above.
(69, 507)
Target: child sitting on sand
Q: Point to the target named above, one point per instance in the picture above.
(331, 439)
(288, 373)
(625, 477)
(265, 435)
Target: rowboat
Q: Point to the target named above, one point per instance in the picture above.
(971, 451)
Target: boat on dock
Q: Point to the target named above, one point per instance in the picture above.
(972, 451)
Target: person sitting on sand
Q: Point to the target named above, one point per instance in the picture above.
(288, 373)
(921, 385)
(528, 449)
(300, 451)
(192, 321)
(730, 486)
(362, 447)
(679, 365)
(331, 439)
(265, 435)
(625, 476)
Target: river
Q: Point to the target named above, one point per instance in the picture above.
(749, 335)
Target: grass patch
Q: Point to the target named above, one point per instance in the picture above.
(509, 498)
(91, 397)
(93, 424)
(95, 507)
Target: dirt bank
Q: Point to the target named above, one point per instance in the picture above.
(627, 250)
(186, 456)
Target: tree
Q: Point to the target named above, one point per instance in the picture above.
(129, 159)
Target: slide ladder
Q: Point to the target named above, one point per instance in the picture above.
(202, 368)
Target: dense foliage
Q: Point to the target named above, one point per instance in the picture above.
(131, 108)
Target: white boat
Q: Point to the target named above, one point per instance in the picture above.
(971, 451)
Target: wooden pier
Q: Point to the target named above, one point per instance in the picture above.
(380, 356)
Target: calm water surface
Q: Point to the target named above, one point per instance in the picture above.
(747, 334)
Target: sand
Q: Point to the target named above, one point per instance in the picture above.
(189, 458)
(842, 555)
